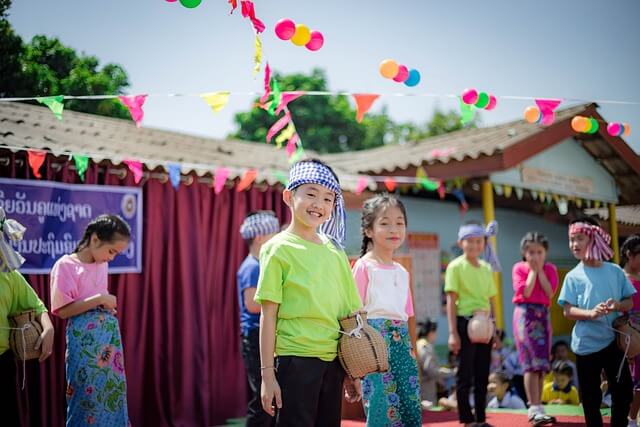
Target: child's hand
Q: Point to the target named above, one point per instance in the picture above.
(110, 302)
(612, 305)
(45, 342)
(557, 402)
(270, 390)
(599, 310)
(353, 390)
(454, 343)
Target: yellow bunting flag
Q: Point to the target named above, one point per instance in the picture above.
(285, 135)
(216, 100)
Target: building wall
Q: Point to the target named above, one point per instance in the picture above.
(444, 219)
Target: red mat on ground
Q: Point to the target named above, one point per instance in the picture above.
(450, 419)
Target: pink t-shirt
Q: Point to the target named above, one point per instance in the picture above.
(398, 291)
(519, 275)
(636, 296)
(73, 280)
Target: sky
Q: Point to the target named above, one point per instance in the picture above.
(546, 49)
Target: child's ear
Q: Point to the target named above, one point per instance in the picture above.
(286, 197)
(369, 233)
(460, 244)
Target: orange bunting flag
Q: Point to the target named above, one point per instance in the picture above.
(391, 184)
(36, 160)
(364, 101)
(247, 179)
(361, 185)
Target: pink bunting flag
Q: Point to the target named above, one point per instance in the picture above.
(134, 104)
(220, 179)
(364, 101)
(36, 160)
(286, 98)
(248, 11)
(278, 126)
(547, 109)
(442, 192)
(361, 185)
(136, 169)
(292, 144)
(436, 152)
(267, 86)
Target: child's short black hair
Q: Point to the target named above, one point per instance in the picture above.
(427, 327)
(561, 367)
(588, 219)
(500, 376)
(533, 237)
(631, 246)
(559, 343)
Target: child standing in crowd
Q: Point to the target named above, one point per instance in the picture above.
(593, 294)
(561, 391)
(16, 296)
(428, 362)
(500, 387)
(391, 398)
(470, 288)
(630, 261)
(256, 230)
(305, 287)
(96, 384)
(534, 283)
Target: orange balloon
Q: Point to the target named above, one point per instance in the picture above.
(627, 129)
(532, 114)
(301, 36)
(388, 68)
(580, 124)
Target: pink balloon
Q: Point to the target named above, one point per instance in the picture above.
(469, 96)
(172, 1)
(403, 74)
(316, 41)
(285, 29)
(613, 129)
(492, 103)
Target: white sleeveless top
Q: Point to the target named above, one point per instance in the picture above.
(387, 291)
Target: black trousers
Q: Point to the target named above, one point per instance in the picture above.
(311, 392)
(473, 370)
(589, 368)
(8, 397)
(256, 416)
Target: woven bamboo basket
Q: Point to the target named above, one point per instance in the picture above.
(26, 323)
(623, 325)
(363, 351)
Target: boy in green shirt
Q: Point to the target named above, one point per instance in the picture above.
(305, 286)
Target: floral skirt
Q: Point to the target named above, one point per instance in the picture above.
(393, 398)
(532, 336)
(96, 385)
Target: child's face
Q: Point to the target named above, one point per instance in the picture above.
(561, 380)
(311, 204)
(578, 243)
(389, 229)
(535, 253)
(102, 251)
(432, 336)
(633, 263)
(496, 387)
(562, 353)
(472, 246)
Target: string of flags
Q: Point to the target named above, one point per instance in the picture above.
(546, 197)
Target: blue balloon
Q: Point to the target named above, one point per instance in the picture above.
(413, 79)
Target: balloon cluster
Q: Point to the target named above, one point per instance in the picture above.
(481, 100)
(299, 34)
(618, 129)
(585, 124)
(534, 115)
(390, 69)
(189, 4)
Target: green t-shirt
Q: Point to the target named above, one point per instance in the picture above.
(474, 286)
(16, 296)
(314, 287)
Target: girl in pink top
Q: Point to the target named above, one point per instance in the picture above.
(96, 386)
(390, 398)
(630, 262)
(534, 283)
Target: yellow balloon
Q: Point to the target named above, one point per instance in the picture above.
(301, 36)
(389, 68)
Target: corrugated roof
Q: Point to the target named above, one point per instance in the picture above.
(624, 214)
(455, 146)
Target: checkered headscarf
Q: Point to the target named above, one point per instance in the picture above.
(259, 224)
(9, 259)
(310, 172)
(599, 240)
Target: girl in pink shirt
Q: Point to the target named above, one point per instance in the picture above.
(630, 262)
(534, 283)
(96, 386)
(390, 398)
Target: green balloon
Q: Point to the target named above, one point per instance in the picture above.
(190, 3)
(483, 100)
(594, 125)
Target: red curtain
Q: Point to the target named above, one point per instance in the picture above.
(179, 317)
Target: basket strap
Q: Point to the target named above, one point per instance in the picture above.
(354, 333)
(24, 349)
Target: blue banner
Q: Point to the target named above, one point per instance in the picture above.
(57, 214)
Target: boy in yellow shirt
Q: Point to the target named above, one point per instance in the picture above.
(561, 391)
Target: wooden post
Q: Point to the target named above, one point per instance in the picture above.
(613, 229)
(490, 215)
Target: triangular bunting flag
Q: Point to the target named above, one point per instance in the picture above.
(441, 190)
(257, 57)
(278, 126)
(136, 168)
(219, 179)
(234, 5)
(464, 206)
(292, 144)
(361, 185)
(55, 104)
(281, 177)
(82, 164)
(36, 160)
(578, 203)
(286, 98)
(547, 110)
(534, 194)
(596, 204)
(267, 87)
(297, 155)
(497, 188)
(216, 100)
(134, 104)
(423, 181)
(548, 198)
(588, 203)
(390, 184)
(247, 179)
(174, 175)
(248, 11)
(563, 206)
(285, 135)
(276, 95)
(507, 191)
(364, 101)
(519, 193)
